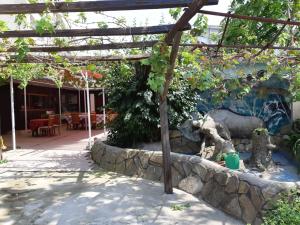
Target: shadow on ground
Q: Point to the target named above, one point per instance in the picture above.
(97, 197)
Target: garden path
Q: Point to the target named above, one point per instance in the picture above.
(55, 182)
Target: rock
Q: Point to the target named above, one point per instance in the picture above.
(207, 188)
(243, 187)
(217, 195)
(248, 210)
(144, 159)
(174, 134)
(176, 177)
(153, 173)
(191, 184)
(239, 126)
(130, 168)
(200, 170)
(177, 165)
(222, 178)
(233, 207)
(241, 147)
(256, 197)
(242, 166)
(232, 185)
(187, 168)
(185, 146)
(156, 159)
(120, 167)
(258, 221)
(248, 147)
(270, 191)
(208, 152)
(209, 175)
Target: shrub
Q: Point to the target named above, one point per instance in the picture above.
(137, 105)
(286, 210)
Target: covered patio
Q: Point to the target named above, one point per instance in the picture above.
(65, 152)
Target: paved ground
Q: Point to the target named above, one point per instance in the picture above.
(59, 153)
(55, 182)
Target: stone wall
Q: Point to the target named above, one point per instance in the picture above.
(241, 195)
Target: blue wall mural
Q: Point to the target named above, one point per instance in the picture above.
(268, 101)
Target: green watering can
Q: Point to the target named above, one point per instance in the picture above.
(232, 160)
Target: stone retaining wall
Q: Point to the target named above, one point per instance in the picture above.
(241, 195)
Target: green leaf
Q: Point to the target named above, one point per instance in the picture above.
(44, 25)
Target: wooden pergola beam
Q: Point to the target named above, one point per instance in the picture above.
(189, 13)
(160, 29)
(253, 18)
(202, 45)
(272, 41)
(223, 35)
(80, 59)
(94, 6)
(89, 47)
(144, 44)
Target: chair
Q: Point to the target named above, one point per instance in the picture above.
(49, 129)
(75, 120)
(56, 123)
(68, 119)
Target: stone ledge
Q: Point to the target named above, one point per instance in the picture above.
(241, 195)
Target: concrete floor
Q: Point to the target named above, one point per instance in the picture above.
(66, 152)
(53, 181)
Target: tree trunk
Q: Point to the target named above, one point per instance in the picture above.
(164, 123)
(165, 140)
(262, 150)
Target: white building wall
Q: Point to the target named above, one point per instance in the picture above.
(296, 110)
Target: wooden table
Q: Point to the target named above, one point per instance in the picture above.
(35, 124)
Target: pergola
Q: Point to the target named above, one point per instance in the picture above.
(173, 37)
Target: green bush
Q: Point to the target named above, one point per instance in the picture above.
(286, 210)
(293, 142)
(137, 105)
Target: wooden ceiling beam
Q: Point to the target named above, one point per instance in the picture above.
(79, 59)
(110, 46)
(160, 29)
(189, 13)
(94, 6)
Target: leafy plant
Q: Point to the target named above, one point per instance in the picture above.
(285, 211)
(180, 207)
(137, 105)
(2, 161)
(44, 25)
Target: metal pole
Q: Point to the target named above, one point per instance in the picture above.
(104, 110)
(85, 107)
(89, 110)
(59, 106)
(25, 108)
(12, 105)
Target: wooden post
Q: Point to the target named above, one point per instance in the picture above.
(164, 123)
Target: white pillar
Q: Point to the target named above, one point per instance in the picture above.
(59, 102)
(25, 108)
(12, 105)
(89, 110)
(104, 111)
